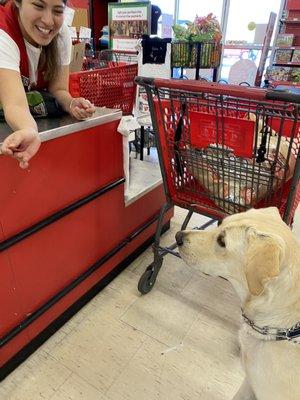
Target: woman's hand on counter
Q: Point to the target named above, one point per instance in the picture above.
(21, 145)
(81, 108)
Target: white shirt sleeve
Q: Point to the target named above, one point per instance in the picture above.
(9, 52)
(64, 45)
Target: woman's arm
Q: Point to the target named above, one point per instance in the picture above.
(79, 107)
(24, 142)
(14, 101)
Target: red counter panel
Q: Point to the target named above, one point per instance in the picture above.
(63, 171)
(38, 267)
(10, 310)
(50, 259)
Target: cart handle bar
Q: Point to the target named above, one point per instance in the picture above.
(184, 85)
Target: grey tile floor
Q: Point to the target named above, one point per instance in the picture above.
(178, 342)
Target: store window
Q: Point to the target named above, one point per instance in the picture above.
(246, 26)
(239, 26)
(188, 9)
(242, 13)
(166, 6)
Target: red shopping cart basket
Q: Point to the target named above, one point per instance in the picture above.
(224, 149)
(111, 87)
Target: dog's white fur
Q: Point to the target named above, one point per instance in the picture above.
(261, 259)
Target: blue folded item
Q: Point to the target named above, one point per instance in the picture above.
(289, 89)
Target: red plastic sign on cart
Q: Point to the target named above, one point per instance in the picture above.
(236, 133)
(286, 127)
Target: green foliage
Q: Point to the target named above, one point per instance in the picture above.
(203, 29)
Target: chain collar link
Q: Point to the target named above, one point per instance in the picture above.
(290, 334)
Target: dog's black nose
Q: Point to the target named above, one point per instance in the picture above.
(179, 238)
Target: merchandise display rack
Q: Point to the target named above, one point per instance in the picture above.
(196, 55)
(285, 67)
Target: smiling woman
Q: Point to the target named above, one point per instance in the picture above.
(40, 22)
(35, 53)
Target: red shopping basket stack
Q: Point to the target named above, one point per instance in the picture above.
(111, 87)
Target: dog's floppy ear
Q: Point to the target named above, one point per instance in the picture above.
(262, 261)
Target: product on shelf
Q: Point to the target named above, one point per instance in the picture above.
(236, 42)
(295, 75)
(288, 47)
(283, 56)
(296, 56)
(284, 39)
(278, 73)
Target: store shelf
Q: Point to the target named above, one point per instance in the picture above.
(287, 48)
(284, 83)
(290, 21)
(243, 47)
(287, 64)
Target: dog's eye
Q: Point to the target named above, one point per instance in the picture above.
(221, 241)
(220, 221)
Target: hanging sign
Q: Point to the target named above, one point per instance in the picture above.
(127, 23)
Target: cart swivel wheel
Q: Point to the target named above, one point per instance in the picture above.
(146, 282)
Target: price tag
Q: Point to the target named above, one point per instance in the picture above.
(85, 33)
(73, 32)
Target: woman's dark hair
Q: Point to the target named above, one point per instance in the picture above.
(49, 61)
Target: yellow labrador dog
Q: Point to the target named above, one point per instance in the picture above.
(258, 253)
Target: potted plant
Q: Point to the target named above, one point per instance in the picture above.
(201, 38)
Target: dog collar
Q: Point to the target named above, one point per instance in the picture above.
(290, 334)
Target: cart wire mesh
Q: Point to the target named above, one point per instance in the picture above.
(225, 149)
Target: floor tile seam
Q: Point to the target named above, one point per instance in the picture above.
(89, 383)
(156, 340)
(54, 358)
(76, 324)
(235, 324)
(188, 282)
(60, 385)
(144, 333)
(119, 318)
(124, 367)
(74, 372)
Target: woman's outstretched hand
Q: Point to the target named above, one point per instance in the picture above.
(21, 145)
(81, 108)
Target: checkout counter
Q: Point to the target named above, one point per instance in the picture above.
(65, 228)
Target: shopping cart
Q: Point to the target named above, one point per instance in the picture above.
(111, 87)
(129, 57)
(222, 149)
(108, 58)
